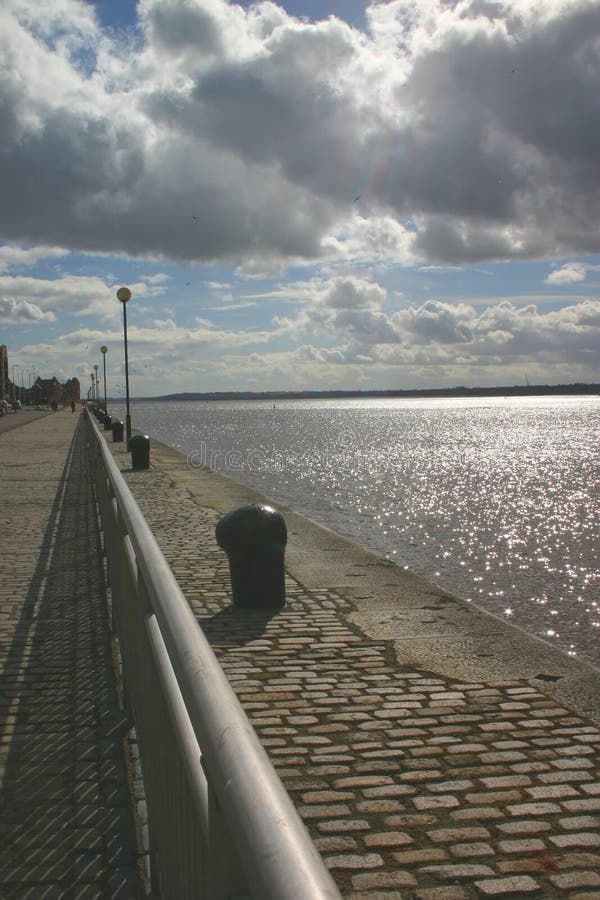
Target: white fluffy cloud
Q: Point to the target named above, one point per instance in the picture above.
(74, 294)
(16, 257)
(20, 312)
(570, 273)
(357, 313)
(468, 131)
(346, 335)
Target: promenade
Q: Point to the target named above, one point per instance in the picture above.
(433, 752)
(66, 827)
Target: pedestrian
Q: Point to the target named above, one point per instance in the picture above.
(72, 406)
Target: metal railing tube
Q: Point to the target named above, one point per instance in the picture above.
(277, 853)
(190, 751)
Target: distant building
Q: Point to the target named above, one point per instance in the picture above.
(43, 392)
(71, 390)
(46, 391)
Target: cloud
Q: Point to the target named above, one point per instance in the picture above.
(160, 353)
(437, 322)
(436, 343)
(478, 123)
(570, 273)
(349, 333)
(73, 294)
(359, 315)
(159, 278)
(165, 337)
(343, 305)
(20, 312)
(372, 238)
(12, 257)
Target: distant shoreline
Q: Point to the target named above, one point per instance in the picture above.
(534, 390)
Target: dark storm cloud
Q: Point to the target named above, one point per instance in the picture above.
(478, 122)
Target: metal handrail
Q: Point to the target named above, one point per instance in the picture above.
(277, 855)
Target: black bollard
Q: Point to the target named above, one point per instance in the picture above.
(139, 447)
(108, 423)
(117, 431)
(254, 539)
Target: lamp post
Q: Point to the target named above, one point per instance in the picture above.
(104, 351)
(30, 374)
(97, 382)
(92, 387)
(123, 295)
(22, 377)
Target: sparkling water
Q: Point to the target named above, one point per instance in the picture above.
(496, 500)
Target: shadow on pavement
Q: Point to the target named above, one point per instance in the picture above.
(233, 627)
(66, 824)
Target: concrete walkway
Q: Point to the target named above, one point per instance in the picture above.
(66, 828)
(11, 420)
(433, 752)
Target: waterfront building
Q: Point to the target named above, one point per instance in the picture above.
(43, 392)
(46, 391)
(71, 390)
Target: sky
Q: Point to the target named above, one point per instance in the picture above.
(306, 195)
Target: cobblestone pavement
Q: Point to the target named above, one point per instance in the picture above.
(411, 784)
(66, 828)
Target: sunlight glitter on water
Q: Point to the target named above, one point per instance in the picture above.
(495, 500)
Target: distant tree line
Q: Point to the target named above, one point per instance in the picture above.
(529, 390)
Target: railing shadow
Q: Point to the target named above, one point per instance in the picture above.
(65, 815)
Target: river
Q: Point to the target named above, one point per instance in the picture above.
(496, 500)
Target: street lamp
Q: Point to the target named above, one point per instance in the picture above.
(93, 380)
(97, 382)
(123, 295)
(30, 374)
(104, 351)
(22, 377)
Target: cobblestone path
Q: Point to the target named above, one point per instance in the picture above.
(412, 785)
(66, 829)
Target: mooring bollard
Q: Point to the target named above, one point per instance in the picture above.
(117, 431)
(254, 539)
(139, 447)
(108, 423)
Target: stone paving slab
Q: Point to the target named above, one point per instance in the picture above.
(66, 825)
(413, 783)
